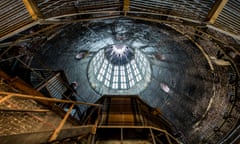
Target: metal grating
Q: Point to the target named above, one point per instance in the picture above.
(56, 8)
(13, 15)
(50, 8)
(16, 18)
(98, 5)
(229, 18)
(194, 9)
(56, 88)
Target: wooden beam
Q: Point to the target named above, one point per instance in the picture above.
(26, 110)
(94, 129)
(32, 9)
(10, 43)
(83, 13)
(153, 20)
(5, 98)
(59, 21)
(155, 13)
(126, 4)
(169, 140)
(56, 132)
(236, 36)
(19, 30)
(152, 135)
(216, 10)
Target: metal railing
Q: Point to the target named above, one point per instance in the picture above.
(170, 139)
(7, 95)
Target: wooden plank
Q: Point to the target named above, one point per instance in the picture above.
(5, 98)
(45, 99)
(32, 9)
(169, 141)
(216, 10)
(26, 110)
(126, 4)
(59, 21)
(56, 132)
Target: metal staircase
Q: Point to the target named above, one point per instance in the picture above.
(113, 119)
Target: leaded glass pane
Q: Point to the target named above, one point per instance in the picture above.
(119, 71)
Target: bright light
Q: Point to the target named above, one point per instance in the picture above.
(165, 87)
(119, 67)
(119, 50)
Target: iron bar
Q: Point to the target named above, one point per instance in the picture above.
(5, 98)
(152, 135)
(26, 110)
(58, 129)
(42, 98)
(49, 21)
(46, 82)
(18, 56)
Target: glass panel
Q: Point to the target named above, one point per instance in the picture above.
(115, 85)
(133, 65)
(123, 79)
(128, 66)
(123, 85)
(120, 76)
(109, 71)
(138, 78)
(100, 77)
(129, 70)
(107, 83)
(108, 76)
(95, 70)
(122, 68)
(130, 76)
(122, 73)
(136, 71)
(101, 70)
(110, 67)
(115, 68)
(131, 83)
(115, 78)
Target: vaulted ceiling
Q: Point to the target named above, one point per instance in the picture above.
(184, 41)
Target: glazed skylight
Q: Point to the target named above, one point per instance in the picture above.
(119, 68)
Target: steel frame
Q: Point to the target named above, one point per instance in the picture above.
(129, 7)
(8, 95)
